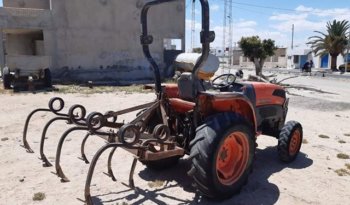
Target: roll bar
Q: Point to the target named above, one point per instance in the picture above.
(206, 37)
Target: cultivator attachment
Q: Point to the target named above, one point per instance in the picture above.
(75, 115)
(135, 137)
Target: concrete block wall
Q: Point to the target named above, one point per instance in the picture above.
(98, 39)
(100, 34)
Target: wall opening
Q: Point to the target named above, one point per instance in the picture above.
(296, 59)
(25, 51)
(172, 44)
(24, 42)
(172, 48)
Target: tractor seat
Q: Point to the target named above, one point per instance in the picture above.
(185, 86)
(185, 102)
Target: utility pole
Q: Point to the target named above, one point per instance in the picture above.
(230, 52)
(224, 29)
(193, 25)
(227, 41)
(292, 36)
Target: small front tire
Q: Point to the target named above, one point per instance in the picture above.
(289, 141)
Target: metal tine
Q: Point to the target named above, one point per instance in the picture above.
(25, 142)
(82, 148)
(43, 137)
(93, 131)
(51, 109)
(58, 168)
(109, 164)
(70, 118)
(87, 194)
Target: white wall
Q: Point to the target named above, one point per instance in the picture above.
(37, 4)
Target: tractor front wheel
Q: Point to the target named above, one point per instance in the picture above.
(223, 152)
(289, 141)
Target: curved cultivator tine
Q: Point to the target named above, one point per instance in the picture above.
(25, 130)
(88, 199)
(56, 104)
(109, 166)
(82, 148)
(131, 175)
(43, 137)
(59, 171)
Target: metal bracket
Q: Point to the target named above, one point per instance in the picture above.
(146, 39)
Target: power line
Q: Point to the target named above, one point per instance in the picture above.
(261, 6)
(314, 11)
(253, 11)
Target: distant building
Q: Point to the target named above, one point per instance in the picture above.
(279, 60)
(298, 57)
(90, 39)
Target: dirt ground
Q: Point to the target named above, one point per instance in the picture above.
(311, 179)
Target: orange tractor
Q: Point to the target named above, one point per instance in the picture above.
(216, 123)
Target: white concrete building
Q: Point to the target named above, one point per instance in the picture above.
(84, 40)
(298, 57)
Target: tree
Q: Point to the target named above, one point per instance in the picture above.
(257, 51)
(333, 42)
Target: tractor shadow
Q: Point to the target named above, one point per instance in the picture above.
(258, 190)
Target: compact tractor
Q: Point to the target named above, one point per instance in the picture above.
(215, 123)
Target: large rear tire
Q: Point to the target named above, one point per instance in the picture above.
(289, 141)
(222, 155)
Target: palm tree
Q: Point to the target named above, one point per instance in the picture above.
(334, 42)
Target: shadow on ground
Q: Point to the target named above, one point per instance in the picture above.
(258, 190)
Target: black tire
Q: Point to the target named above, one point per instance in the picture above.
(6, 78)
(47, 78)
(285, 140)
(205, 151)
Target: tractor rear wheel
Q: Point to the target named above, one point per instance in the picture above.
(222, 155)
(289, 141)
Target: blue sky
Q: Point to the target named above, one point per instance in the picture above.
(271, 19)
(274, 21)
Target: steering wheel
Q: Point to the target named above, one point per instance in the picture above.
(223, 81)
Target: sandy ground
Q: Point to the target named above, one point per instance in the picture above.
(311, 179)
